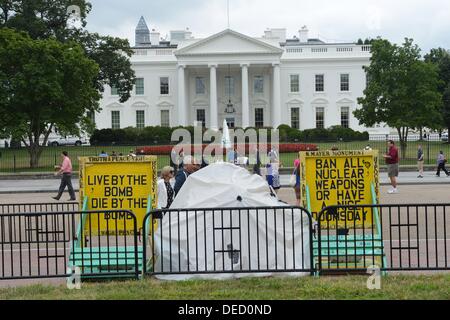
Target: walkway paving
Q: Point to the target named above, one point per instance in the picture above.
(52, 185)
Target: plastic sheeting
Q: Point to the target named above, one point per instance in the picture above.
(246, 242)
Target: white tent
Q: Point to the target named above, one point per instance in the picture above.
(230, 240)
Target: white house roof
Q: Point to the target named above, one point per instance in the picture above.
(228, 42)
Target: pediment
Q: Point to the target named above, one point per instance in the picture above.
(228, 42)
(259, 102)
(319, 101)
(164, 104)
(200, 102)
(140, 105)
(295, 101)
(114, 105)
(345, 101)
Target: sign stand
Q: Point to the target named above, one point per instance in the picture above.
(113, 184)
(339, 178)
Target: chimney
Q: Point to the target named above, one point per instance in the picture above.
(154, 37)
(303, 34)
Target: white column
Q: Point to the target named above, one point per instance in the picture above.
(245, 100)
(276, 98)
(213, 96)
(182, 116)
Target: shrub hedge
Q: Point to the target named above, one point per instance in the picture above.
(283, 148)
(162, 135)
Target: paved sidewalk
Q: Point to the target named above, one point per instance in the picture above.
(52, 185)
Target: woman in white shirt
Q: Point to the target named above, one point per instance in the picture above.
(166, 193)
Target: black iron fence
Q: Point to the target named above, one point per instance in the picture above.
(90, 244)
(265, 240)
(39, 207)
(17, 160)
(229, 240)
(407, 237)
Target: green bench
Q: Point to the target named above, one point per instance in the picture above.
(104, 261)
(355, 251)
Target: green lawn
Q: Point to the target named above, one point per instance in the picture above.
(19, 159)
(344, 287)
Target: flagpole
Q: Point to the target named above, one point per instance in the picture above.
(228, 13)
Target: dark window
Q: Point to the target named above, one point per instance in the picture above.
(345, 82)
(320, 117)
(295, 118)
(115, 119)
(231, 122)
(295, 83)
(140, 119)
(320, 86)
(140, 86)
(201, 117)
(165, 118)
(164, 85)
(345, 117)
(259, 117)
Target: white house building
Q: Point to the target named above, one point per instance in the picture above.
(268, 81)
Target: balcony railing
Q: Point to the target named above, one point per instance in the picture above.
(327, 51)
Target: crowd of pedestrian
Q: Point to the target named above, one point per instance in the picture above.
(174, 176)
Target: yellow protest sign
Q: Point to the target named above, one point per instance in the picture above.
(339, 178)
(118, 183)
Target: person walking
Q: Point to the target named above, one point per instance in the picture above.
(441, 160)
(166, 193)
(257, 164)
(273, 154)
(66, 180)
(420, 161)
(276, 185)
(297, 180)
(392, 165)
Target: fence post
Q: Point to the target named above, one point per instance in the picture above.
(428, 149)
(14, 164)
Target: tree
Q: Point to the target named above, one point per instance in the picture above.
(43, 19)
(402, 90)
(441, 58)
(43, 84)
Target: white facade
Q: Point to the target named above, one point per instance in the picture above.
(267, 63)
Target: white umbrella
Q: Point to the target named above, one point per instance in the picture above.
(226, 141)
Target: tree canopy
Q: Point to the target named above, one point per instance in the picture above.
(43, 19)
(441, 58)
(402, 89)
(43, 84)
(52, 72)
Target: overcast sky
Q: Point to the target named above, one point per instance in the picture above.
(426, 21)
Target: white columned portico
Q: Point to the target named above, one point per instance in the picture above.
(182, 116)
(213, 96)
(245, 97)
(276, 108)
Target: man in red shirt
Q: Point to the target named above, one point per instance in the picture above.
(392, 165)
(66, 180)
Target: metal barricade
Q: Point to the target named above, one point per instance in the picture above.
(406, 237)
(94, 244)
(228, 240)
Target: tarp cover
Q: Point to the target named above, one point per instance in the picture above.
(234, 241)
